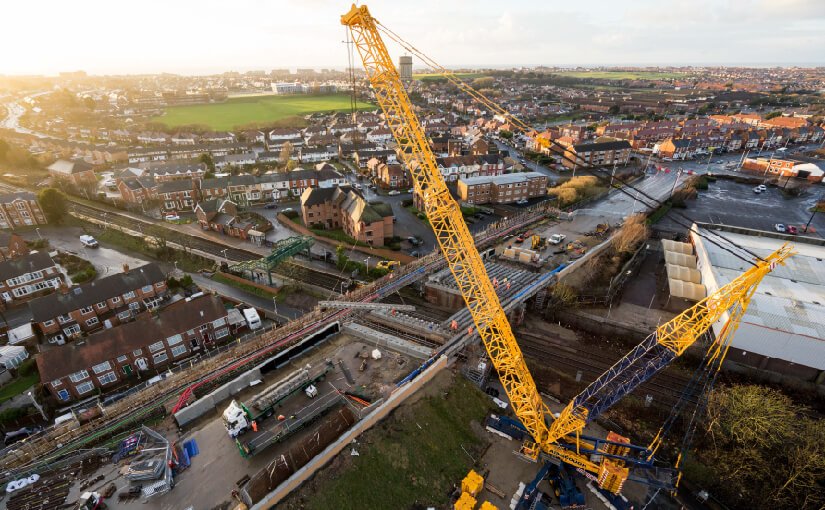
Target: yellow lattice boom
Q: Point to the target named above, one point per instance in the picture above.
(469, 272)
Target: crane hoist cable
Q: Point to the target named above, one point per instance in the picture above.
(555, 435)
(560, 150)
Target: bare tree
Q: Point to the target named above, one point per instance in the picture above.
(286, 154)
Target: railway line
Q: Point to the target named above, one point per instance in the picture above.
(182, 386)
(666, 388)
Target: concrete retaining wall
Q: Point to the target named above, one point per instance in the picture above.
(390, 342)
(300, 476)
(208, 402)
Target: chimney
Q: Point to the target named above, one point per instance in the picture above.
(64, 289)
(125, 268)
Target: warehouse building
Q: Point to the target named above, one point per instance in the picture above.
(783, 330)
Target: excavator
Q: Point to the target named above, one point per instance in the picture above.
(607, 461)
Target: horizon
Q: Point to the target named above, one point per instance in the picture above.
(206, 38)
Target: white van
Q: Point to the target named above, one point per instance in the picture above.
(253, 320)
(88, 241)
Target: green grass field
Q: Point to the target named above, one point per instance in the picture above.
(621, 75)
(268, 110)
(411, 460)
(16, 386)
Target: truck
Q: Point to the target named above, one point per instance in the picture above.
(253, 320)
(238, 416)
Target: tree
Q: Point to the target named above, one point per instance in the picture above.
(291, 165)
(483, 83)
(53, 203)
(207, 160)
(633, 232)
(614, 110)
(773, 115)
(89, 102)
(286, 153)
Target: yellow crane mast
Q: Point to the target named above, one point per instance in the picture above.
(553, 436)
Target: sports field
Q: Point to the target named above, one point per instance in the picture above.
(621, 75)
(260, 110)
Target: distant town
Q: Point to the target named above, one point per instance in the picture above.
(233, 269)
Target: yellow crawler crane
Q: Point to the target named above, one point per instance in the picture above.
(558, 437)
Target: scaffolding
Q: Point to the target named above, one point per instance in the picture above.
(283, 249)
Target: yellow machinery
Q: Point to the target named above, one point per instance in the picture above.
(472, 484)
(558, 437)
(465, 502)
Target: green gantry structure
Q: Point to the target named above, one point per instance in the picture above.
(283, 249)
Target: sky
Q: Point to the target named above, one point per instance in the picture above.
(209, 36)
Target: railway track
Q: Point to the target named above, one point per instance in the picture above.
(40, 450)
(665, 387)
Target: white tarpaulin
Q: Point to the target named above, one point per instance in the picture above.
(687, 290)
(677, 247)
(683, 273)
(680, 259)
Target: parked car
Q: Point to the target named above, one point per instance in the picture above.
(792, 230)
(171, 217)
(763, 187)
(387, 264)
(287, 210)
(757, 190)
(394, 192)
(411, 190)
(415, 241)
(414, 253)
(88, 241)
(271, 205)
(779, 227)
(521, 201)
(556, 238)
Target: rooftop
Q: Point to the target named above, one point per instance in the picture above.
(502, 179)
(789, 303)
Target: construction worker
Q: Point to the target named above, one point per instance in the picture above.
(495, 282)
(254, 426)
(454, 325)
(470, 330)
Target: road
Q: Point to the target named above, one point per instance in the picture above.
(532, 165)
(15, 111)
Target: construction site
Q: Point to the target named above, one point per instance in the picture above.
(554, 360)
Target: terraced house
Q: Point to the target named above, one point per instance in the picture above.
(136, 350)
(106, 302)
(20, 209)
(25, 277)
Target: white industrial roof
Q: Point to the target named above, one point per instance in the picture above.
(786, 317)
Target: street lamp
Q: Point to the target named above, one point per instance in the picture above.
(37, 229)
(224, 255)
(43, 414)
(367, 262)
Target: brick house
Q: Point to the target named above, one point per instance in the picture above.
(214, 188)
(27, 276)
(177, 195)
(502, 189)
(104, 302)
(462, 167)
(132, 351)
(19, 209)
(393, 176)
(137, 190)
(177, 171)
(76, 173)
(216, 214)
(12, 245)
(675, 149)
(345, 208)
(597, 154)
